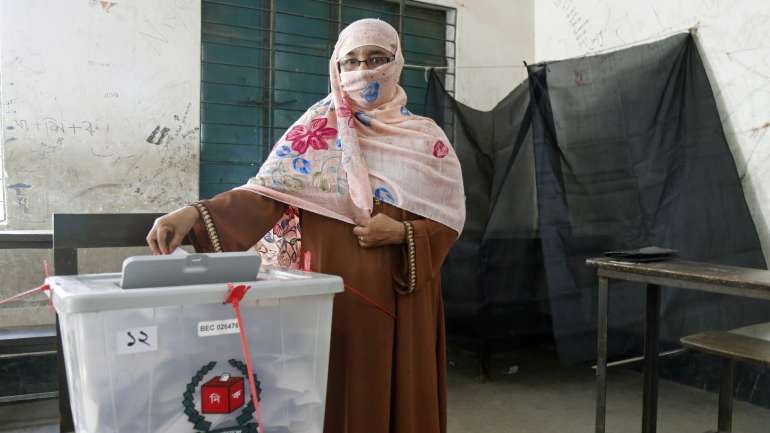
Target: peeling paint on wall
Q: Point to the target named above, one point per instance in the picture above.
(76, 121)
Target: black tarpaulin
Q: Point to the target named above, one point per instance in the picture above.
(494, 287)
(608, 152)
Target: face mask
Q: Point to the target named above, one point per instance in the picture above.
(370, 88)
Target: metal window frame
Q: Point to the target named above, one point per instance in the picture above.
(449, 39)
(3, 198)
(265, 95)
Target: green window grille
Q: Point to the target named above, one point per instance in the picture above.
(264, 62)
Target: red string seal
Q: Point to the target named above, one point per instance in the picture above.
(234, 297)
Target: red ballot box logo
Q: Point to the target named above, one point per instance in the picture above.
(222, 394)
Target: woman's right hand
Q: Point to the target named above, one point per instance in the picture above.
(169, 230)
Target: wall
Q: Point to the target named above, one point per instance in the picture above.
(493, 38)
(734, 40)
(100, 113)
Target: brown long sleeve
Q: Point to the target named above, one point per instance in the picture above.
(241, 219)
(432, 244)
(419, 387)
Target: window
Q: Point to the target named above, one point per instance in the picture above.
(3, 206)
(264, 62)
(3, 212)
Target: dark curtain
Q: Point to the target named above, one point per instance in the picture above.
(493, 279)
(607, 152)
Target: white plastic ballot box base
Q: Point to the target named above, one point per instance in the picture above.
(154, 360)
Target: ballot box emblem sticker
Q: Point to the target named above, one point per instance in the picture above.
(221, 393)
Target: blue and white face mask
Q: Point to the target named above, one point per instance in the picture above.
(370, 88)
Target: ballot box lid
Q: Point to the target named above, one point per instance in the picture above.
(100, 292)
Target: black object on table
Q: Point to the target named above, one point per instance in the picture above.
(646, 254)
(727, 280)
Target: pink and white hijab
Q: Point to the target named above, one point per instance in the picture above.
(361, 143)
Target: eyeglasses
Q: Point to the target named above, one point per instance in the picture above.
(372, 62)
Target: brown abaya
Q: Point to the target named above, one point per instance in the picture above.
(386, 375)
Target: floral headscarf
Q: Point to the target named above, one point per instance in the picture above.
(361, 143)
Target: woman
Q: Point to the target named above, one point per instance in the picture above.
(380, 200)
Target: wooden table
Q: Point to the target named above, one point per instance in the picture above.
(727, 280)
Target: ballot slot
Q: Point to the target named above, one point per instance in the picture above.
(181, 269)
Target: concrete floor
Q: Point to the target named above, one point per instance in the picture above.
(542, 397)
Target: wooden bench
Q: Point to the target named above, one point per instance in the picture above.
(731, 347)
(25, 341)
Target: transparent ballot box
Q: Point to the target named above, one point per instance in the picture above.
(144, 354)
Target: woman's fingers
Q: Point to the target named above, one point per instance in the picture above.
(163, 238)
(175, 242)
(380, 217)
(152, 241)
(366, 239)
(362, 234)
(169, 231)
(378, 232)
(371, 241)
(360, 231)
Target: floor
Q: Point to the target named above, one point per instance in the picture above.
(543, 397)
(534, 396)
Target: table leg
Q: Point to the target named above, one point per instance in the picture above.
(66, 424)
(725, 421)
(601, 356)
(651, 331)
